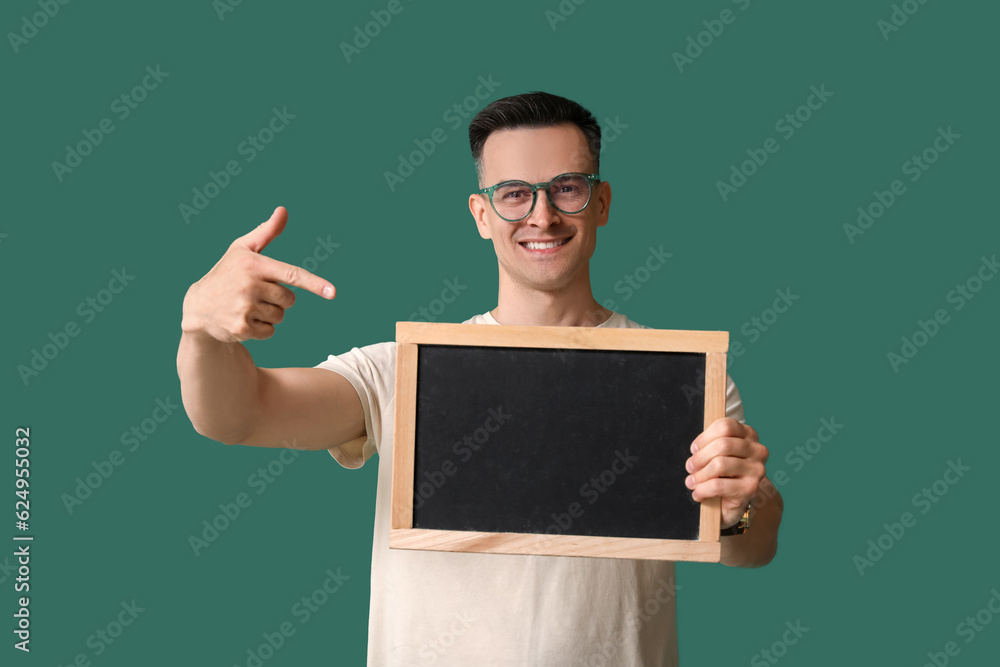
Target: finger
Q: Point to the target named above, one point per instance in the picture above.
(720, 428)
(267, 313)
(752, 452)
(262, 330)
(279, 272)
(266, 231)
(731, 489)
(276, 294)
(727, 467)
(249, 327)
(725, 446)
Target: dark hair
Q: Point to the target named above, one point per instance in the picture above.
(529, 110)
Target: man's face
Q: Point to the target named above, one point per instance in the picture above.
(538, 155)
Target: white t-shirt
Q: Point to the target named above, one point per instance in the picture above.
(443, 608)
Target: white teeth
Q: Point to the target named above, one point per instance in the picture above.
(530, 245)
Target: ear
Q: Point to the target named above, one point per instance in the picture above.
(477, 206)
(603, 194)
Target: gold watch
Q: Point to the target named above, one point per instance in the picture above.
(741, 526)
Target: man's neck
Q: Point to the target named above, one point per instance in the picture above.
(573, 307)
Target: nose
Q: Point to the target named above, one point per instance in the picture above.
(544, 215)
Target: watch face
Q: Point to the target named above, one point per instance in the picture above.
(740, 527)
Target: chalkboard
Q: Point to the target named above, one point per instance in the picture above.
(553, 440)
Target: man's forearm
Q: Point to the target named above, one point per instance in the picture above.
(218, 386)
(757, 546)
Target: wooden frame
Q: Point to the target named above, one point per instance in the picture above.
(410, 335)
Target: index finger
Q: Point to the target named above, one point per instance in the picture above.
(720, 428)
(289, 274)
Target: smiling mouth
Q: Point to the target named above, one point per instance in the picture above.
(534, 245)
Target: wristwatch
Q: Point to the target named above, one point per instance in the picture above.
(741, 526)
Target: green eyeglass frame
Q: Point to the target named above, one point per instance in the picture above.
(535, 187)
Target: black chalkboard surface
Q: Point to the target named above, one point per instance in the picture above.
(558, 440)
(598, 430)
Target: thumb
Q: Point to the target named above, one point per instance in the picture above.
(266, 231)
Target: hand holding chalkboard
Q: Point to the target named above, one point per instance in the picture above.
(727, 462)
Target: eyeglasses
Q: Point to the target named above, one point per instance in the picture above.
(515, 200)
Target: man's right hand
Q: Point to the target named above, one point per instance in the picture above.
(243, 297)
(225, 395)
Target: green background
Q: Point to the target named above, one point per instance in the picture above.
(676, 133)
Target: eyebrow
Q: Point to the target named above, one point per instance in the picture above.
(524, 180)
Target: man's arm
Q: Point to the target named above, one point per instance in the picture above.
(758, 545)
(225, 395)
(727, 462)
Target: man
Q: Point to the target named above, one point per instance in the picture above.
(493, 610)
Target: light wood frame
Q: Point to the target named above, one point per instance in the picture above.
(410, 335)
